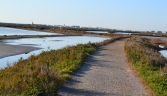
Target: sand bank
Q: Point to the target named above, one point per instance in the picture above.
(10, 50)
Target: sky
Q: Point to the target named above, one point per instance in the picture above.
(143, 15)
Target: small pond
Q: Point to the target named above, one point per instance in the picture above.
(164, 53)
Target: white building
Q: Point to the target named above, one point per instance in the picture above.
(164, 32)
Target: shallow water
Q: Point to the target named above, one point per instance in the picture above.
(97, 31)
(47, 43)
(126, 33)
(121, 33)
(13, 31)
(164, 53)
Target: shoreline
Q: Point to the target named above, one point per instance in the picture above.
(11, 50)
(67, 32)
(7, 50)
(31, 36)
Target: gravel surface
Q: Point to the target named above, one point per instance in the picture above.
(104, 73)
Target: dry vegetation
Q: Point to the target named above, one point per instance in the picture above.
(157, 42)
(150, 64)
(80, 32)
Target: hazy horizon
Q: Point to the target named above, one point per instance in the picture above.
(144, 15)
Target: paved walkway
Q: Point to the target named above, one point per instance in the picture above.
(104, 73)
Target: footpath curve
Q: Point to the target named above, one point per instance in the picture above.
(104, 73)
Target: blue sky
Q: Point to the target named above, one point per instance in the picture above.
(115, 14)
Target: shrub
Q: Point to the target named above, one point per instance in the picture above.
(148, 62)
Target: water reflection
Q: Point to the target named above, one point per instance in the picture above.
(13, 31)
(161, 46)
(164, 53)
(121, 33)
(97, 31)
(126, 33)
(46, 44)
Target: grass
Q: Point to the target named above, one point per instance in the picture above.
(42, 75)
(150, 64)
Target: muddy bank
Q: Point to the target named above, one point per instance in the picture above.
(31, 36)
(10, 50)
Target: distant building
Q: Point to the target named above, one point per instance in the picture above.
(75, 26)
(155, 31)
(152, 31)
(159, 32)
(32, 23)
(164, 32)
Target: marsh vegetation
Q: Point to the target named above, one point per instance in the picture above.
(43, 74)
(150, 64)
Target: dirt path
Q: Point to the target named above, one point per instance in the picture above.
(104, 73)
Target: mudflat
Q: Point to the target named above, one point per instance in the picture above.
(104, 73)
(9, 50)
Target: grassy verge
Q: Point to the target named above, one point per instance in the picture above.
(42, 75)
(150, 64)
